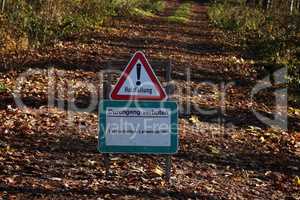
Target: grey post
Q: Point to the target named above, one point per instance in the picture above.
(169, 91)
(106, 92)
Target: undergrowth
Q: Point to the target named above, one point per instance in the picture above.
(2, 88)
(271, 36)
(35, 23)
(181, 15)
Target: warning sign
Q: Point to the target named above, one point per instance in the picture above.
(138, 82)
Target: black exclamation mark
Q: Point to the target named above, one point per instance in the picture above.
(138, 73)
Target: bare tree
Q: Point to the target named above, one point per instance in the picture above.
(3, 6)
(297, 6)
(291, 6)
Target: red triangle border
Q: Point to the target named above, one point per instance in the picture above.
(138, 56)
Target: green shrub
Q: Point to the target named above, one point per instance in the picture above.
(235, 17)
(182, 14)
(154, 6)
(294, 73)
(136, 7)
(2, 88)
(270, 35)
(45, 21)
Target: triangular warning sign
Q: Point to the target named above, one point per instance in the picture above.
(138, 82)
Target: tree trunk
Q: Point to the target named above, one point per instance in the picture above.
(266, 4)
(292, 7)
(3, 6)
(298, 5)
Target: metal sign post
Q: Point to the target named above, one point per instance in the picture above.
(169, 91)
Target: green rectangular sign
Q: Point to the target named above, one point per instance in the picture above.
(149, 127)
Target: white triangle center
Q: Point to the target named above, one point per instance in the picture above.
(138, 83)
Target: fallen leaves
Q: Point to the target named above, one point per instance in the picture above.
(297, 136)
(10, 180)
(158, 170)
(262, 139)
(195, 121)
(55, 179)
(297, 181)
(214, 150)
(294, 111)
(236, 60)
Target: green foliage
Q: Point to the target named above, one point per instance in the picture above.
(48, 20)
(182, 14)
(236, 17)
(148, 8)
(123, 7)
(218, 13)
(294, 73)
(270, 35)
(154, 6)
(2, 88)
(45, 21)
(136, 7)
(143, 13)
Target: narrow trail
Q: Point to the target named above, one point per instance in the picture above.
(52, 153)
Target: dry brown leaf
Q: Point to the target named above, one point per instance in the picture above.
(194, 119)
(158, 170)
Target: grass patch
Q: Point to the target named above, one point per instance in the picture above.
(178, 19)
(154, 6)
(142, 13)
(148, 8)
(182, 14)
